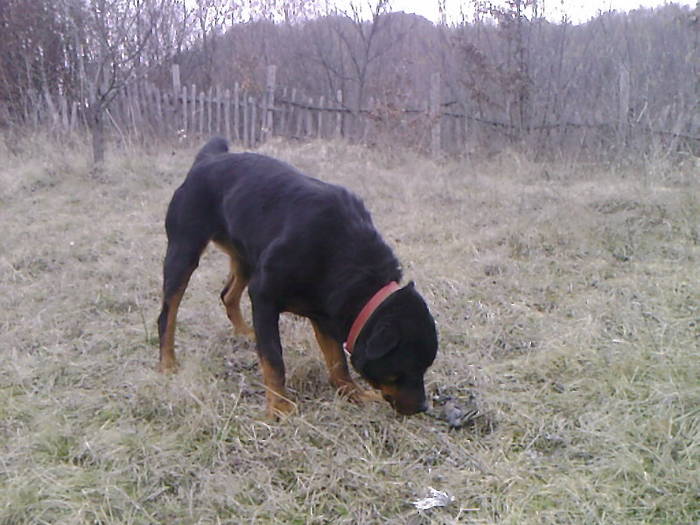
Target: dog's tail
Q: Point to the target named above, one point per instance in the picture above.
(215, 146)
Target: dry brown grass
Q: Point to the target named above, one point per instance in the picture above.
(567, 302)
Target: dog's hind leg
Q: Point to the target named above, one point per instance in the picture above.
(177, 268)
(231, 297)
(338, 371)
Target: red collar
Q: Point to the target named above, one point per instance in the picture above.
(359, 323)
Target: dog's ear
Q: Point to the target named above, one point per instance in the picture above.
(384, 338)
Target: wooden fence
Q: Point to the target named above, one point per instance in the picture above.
(249, 118)
(252, 118)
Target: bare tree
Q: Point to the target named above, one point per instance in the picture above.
(619, 81)
(515, 30)
(33, 56)
(171, 38)
(211, 17)
(361, 42)
(110, 36)
(345, 45)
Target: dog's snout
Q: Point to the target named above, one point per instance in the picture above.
(407, 401)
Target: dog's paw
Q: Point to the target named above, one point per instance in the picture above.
(244, 330)
(358, 395)
(368, 396)
(280, 407)
(167, 366)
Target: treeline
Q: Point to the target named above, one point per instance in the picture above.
(510, 78)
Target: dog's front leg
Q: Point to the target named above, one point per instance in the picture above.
(266, 324)
(338, 372)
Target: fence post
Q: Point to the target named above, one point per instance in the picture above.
(309, 117)
(193, 103)
(339, 115)
(218, 126)
(367, 124)
(269, 103)
(300, 114)
(227, 113)
(435, 116)
(184, 109)
(283, 113)
(210, 110)
(253, 121)
(466, 129)
(246, 130)
(321, 105)
(293, 112)
(202, 98)
(150, 114)
(177, 90)
(236, 113)
(176, 79)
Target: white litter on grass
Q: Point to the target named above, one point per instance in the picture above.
(437, 498)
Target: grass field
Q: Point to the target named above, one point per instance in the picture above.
(568, 304)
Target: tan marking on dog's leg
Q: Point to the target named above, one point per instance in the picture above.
(279, 403)
(231, 296)
(167, 362)
(232, 301)
(181, 259)
(338, 372)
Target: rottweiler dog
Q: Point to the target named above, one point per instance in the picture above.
(304, 246)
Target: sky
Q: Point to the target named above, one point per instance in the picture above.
(578, 11)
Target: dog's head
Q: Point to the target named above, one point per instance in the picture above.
(396, 347)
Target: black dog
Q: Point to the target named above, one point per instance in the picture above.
(301, 246)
